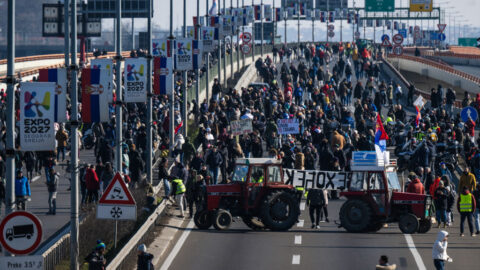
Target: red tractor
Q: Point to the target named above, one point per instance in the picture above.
(374, 198)
(256, 193)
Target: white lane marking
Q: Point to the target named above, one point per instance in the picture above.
(302, 206)
(300, 223)
(416, 255)
(35, 178)
(296, 259)
(166, 264)
(298, 239)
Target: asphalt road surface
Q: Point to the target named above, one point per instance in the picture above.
(329, 247)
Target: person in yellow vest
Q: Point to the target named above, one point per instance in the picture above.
(257, 177)
(466, 206)
(179, 189)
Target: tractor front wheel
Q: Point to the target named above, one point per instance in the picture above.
(425, 225)
(355, 216)
(280, 211)
(408, 223)
(203, 219)
(223, 219)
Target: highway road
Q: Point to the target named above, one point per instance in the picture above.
(329, 247)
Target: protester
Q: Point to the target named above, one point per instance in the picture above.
(144, 259)
(96, 259)
(439, 251)
(22, 190)
(52, 192)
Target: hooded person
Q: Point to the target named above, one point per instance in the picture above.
(439, 251)
(415, 185)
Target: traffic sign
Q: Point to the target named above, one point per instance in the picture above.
(386, 43)
(357, 34)
(117, 202)
(403, 32)
(247, 37)
(246, 48)
(441, 27)
(26, 262)
(331, 27)
(331, 34)
(397, 50)
(442, 37)
(397, 39)
(21, 232)
(385, 36)
(469, 112)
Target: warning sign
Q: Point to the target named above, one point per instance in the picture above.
(117, 193)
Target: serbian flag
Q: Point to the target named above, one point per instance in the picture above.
(395, 25)
(322, 16)
(58, 76)
(278, 14)
(258, 12)
(357, 18)
(418, 117)
(381, 136)
(302, 8)
(163, 75)
(349, 18)
(331, 16)
(197, 54)
(177, 128)
(94, 95)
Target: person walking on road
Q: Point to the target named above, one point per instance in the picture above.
(52, 192)
(92, 183)
(144, 259)
(466, 206)
(22, 190)
(467, 180)
(476, 215)
(179, 189)
(439, 251)
(62, 139)
(315, 202)
(441, 203)
(384, 265)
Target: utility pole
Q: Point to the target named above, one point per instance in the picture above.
(231, 41)
(220, 36)
(10, 147)
(285, 19)
(313, 28)
(243, 29)
(149, 96)
(261, 26)
(74, 205)
(328, 18)
(224, 49)
(207, 60)
(118, 104)
(133, 33)
(341, 21)
(184, 77)
(197, 80)
(171, 128)
(298, 27)
(237, 33)
(66, 25)
(253, 35)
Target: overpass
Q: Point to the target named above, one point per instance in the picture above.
(54, 225)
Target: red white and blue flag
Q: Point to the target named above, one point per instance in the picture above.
(95, 95)
(322, 16)
(381, 136)
(331, 16)
(257, 9)
(278, 14)
(163, 75)
(59, 77)
(303, 8)
(197, 54)
(418, 117)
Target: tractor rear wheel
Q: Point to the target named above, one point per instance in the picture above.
(253, 222)
(203, 219)
(280, 211)
(355, 216)
(223, 219)
(408, 223)
(425, 225)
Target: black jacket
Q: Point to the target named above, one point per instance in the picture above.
(315, 197)
(144, 261)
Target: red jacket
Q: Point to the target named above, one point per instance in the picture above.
(434, 187)
(416, 187)
(91, 179)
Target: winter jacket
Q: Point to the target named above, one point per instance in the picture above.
(214, 160)
(416, 187)
(53, 183)
(91, 179)
(144, 261)
(474, 203)
(439, 251)
(62, 138)
(467, 181)
(337, 138)
(299, 161)
(22, 187)
(441, 198)
(433, 187)
(317, 197)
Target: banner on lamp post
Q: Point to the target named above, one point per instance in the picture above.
(135, 80)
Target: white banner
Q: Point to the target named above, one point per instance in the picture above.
(135, 79)
(208, 37)
(106, 63)
(250, 14)
(37, 116)
(241, 127)
(191, 32)
(267, 13)
(184, 54)
(311, 179)
(288, 126)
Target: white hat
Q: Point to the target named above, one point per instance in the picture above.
(142, 248)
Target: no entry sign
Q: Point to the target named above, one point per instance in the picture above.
(21, 232)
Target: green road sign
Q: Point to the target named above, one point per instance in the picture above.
(467, 42)
(379, 5)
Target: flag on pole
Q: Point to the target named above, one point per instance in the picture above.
(178, 127)
(163, 75)
(213, 8)
(302, 8)
(322, 16)
(59, 77)
(257, 9)
(94, 96)
(381, 136)
(331, 16)
(278, 14)
(418, 117)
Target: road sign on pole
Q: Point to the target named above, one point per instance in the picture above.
(26, 262)
(379, 5)
(397, 50)
(246, 37)
(442, 37)
(21, 232)
(246, 48)
(385, 36)
(386, 43)
(357, 34)
(441, 27)
(331, 27)
(117, 202)
(469, 112)
(331, 34)
(397, 39)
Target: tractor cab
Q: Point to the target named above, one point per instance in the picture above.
(256, 193)
(374, 197)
